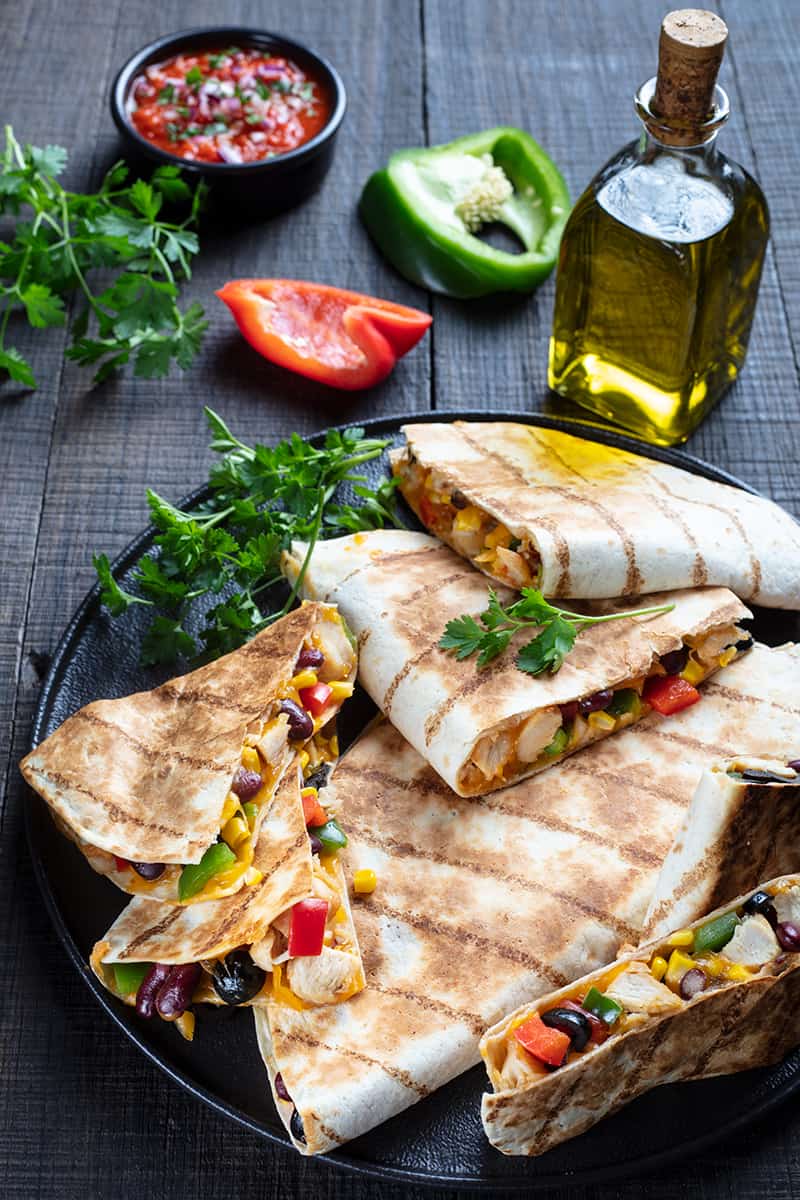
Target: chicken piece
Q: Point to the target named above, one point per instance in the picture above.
(538, 732)
(518, 1066)
(709, 650)
(787, 906)
(512, 568)
(492, 753)
(753, 944)
(468, 542)
(274, 740)
(321, 979)
(637, 991)
(338, 652)
(323, 889)
(262, 952)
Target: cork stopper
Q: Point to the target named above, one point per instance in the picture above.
(690, 51)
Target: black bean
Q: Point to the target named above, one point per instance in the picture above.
(301, 724)
(794, 764)
(175, 994)
(316, 844)
(744, 645)
(674, 662)
(575, 1025)
(753, 775)
(149, 870)
(281, 1089)
(760, 904)
(236, 978)
(788, 935)
(693, 983)
(595, 703)
(149, 988)
(309, 657)
(246, 783)
(296, 1127)
(319, 777)
(458, 499)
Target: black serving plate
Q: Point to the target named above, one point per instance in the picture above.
(440, 1140)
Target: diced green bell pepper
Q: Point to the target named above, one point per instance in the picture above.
(715, 934)
(558, 744)
(195, 877)
(129, 976)
(331, 835)
(411, 211)
(624, 702)
(602, 1006)
(250, 810)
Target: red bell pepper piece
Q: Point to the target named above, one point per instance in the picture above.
(307, 929)
(122, 864)
(337, 337)
(313, 811)
(548, 1045)
(600, 1031)
(668, 694)
(315, 698)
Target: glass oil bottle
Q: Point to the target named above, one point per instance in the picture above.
(661, 259)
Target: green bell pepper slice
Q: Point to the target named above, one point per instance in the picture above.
(195, 877)
(331, 835)
(624, 702)
(602, 1006)
(715, 934)
(558, 744)
(410, 206)
(129, 976)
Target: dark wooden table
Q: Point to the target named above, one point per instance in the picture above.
(82, 1113)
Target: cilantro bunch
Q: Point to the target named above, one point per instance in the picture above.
(218, 560)
(61, 239)
(558, 630)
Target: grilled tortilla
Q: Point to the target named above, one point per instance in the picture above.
(681, 1013)
(483, 728)
(147, 779)
(256, 919)
(482, 905)
(743, 824)
(575, 518)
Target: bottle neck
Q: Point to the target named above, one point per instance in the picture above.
(666, 133)
(703, 157)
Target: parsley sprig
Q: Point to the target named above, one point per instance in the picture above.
(546, 652)
(60, 240)
(216, 561)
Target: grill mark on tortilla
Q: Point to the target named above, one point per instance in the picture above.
(434, 722)
(633, 578)
(211, 701)
(730, 1024)
(152, 753)
(699, 569)
(728, 693)
(644, 1059)
(562, 553)
(400, 1076)
(111, 808)
(755, 562)
(462, 934)
(623, 781)
(382, 559)
(363, 638)
(475, 1022)
(163, 925)
(407, 850)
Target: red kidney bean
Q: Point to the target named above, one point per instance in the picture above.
(297, 1128)
(246, 783)
(316, 844)
(595, 703)
(175, 994)
(281, 1089)
(310, 658)
(693, 983)
(569, 711)
(794, 764)
(301, 724)
(149, 988)
(674, 662)
(149, 870)
(788, 935)
(458, 499)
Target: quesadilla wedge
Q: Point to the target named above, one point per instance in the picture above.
(287, 937)
(719, 996)
(483, 905)
(743, 824)
(484, 728)
(165, 791)
(536, 507)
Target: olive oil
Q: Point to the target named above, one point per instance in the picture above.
(658, 275)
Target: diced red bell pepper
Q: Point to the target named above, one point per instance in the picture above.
(313, 811)
(122, 864)
(315, 698)
(341, 338)
(548, 1045)
(307, 929)
(668, 694)
(600, 1030)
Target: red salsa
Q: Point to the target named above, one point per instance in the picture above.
(231, 105)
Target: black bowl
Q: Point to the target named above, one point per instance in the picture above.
(257, 188)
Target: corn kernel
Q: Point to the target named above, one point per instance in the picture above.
(499, 536)
(341, 691)
(252, 876)
(364, 882)
(304, 759)
(658, 967)
(681, 937)
(309, 791)
(360, 538)
(235, 831)
(727, 656)
(304, 679)
(185, 1025)
(601, 721)
(468, 520)
(231, 807)
(737, 973)
(693, 672)
(677, 967)
(712, 964)
(250, 759)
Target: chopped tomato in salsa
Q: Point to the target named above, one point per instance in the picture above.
(231, 106)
